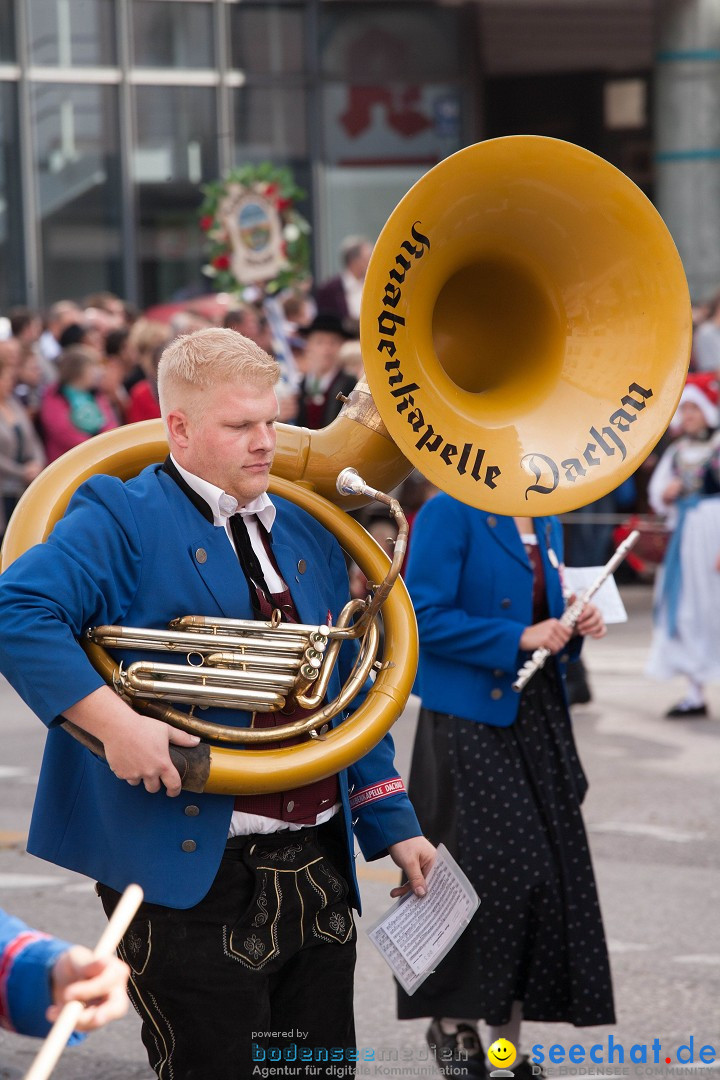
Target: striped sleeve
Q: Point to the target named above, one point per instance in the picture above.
(27, 958)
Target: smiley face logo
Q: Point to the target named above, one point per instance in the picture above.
(502, 1053)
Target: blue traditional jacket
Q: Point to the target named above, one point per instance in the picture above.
(140, 554)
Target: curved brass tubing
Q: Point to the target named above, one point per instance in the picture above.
(124, 452)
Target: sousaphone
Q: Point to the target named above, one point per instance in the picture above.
(525, 331)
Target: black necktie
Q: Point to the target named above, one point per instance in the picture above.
(249, 562)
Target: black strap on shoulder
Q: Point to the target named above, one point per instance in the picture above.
(198, 502)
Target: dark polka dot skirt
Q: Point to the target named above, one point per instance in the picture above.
(506, 803)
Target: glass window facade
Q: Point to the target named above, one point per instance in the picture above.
(175, 153)
(77, 169)
(172, 34)
(72, 33)
(270, 123)
(176, 138)
(268, 39)
(133, 106)
(7, 32)
(12, 269)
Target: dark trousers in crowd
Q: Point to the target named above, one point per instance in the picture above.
(261, 970)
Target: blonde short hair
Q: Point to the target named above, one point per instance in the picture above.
(206, 358)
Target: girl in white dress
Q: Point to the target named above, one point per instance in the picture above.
(684, 488)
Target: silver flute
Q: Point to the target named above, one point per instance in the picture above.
(572, 613)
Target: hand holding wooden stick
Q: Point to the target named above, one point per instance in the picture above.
(56, 1041)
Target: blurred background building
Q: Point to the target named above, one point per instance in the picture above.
(113, 113)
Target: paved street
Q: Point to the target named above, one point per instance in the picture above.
(652, 814)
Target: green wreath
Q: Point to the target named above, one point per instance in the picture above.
(276, 186)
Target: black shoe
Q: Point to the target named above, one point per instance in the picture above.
(527, 1070)
(682, 711)
(460, 1052)
(576, 683)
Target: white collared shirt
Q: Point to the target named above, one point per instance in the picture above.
(223, 507)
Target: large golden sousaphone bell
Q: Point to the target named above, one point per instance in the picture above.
(526, 326)
(525, 331)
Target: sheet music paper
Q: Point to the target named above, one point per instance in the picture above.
(579, 578)
(416, 932)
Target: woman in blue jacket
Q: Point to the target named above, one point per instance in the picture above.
(496, 778)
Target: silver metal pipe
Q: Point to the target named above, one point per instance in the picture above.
(205, 624)
(246, 699)
(123, 637)
(144, 671)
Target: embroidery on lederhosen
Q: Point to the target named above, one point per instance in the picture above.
(321, 895)
(333, 920)
(286, 854)
(262, 902)
(130, 950)
(133, 944)
(335, 883)
(255, 945)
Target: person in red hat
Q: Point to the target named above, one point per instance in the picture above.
(707, 381)
(685, 490)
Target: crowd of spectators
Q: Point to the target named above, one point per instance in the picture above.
(82, 368)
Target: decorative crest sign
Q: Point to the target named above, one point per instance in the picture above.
(255, 235)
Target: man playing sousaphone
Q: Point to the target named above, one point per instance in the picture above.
(246, 927)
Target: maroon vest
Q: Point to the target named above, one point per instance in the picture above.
(539, 594)
(301, 805)
(314, 411)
